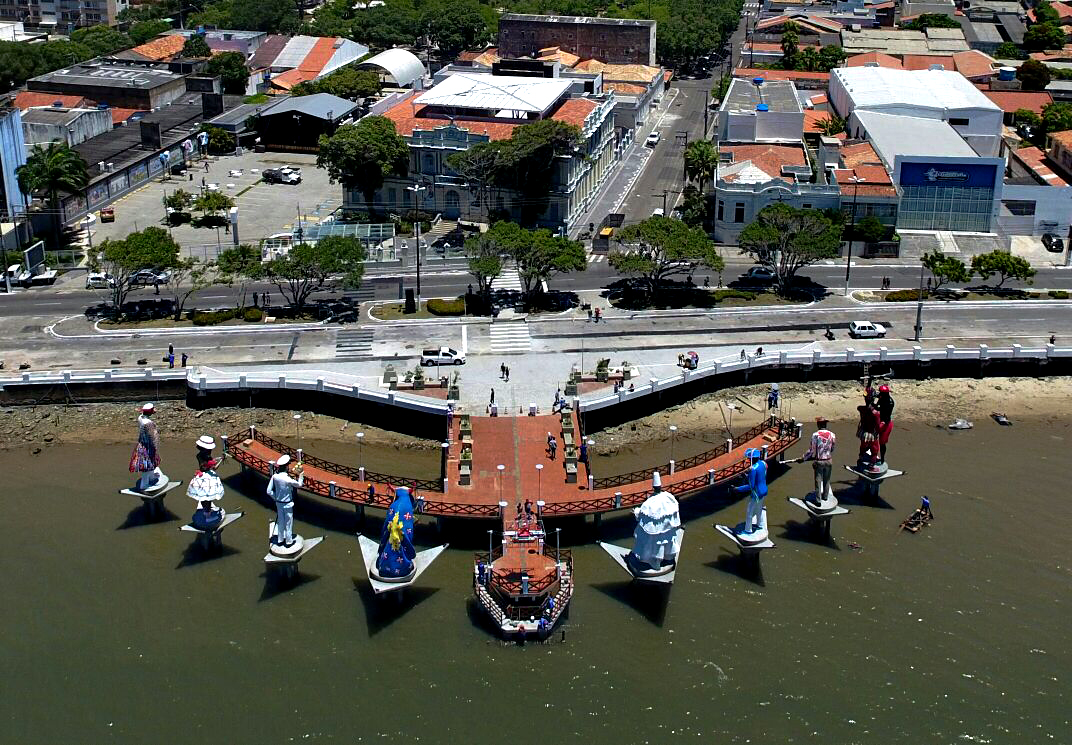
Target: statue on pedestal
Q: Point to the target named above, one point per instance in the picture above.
(821, 453)
(395, 559)
(884, 403)
(206, 487)
(868, 432)
(756, 488)
(657, 537)
(288, 477)
(145, 460)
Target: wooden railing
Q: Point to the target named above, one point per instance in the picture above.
(644, 475)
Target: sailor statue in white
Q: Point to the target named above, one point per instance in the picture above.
(657, 537)
(288, 477)
(145, 460)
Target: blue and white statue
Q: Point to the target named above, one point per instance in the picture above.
(757, 491)
(395, 559)
(206, 488)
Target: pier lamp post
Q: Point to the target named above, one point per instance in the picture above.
(491, 547)
(500, 468)
(673, 431)
(539, 482)
(558, 547)
(360, 448)
(297, 427)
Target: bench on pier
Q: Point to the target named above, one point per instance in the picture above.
(571, 472)
(465, 474)
(567, 440)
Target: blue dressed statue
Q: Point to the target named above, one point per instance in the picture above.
(756, 488)
(395, 558)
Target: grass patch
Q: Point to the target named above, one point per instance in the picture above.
(395, 311)
(912, 296)
(257, 98)
(700, 298)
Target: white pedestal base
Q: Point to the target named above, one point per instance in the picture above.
(153, 498)
(755, 541)
(370, 550)
(872, 481)
(624, 558)
(287, 565)
(212, 539)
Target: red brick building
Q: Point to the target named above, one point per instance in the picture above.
(617, 41)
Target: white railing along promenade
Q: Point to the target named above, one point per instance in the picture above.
(819, 357)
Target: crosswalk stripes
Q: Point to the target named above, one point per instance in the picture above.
(361, 294)
(596, 258)
(353, 344)
(511, 336)
(508, 280)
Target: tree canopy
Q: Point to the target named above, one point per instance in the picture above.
(101, 39)
(925, 21)
(1033, 75)
(349, 83)
(945, 268)
(151, 248)
(660, 248)
(485, 260)
(231, 67)
(786, 239)
(454, 25)
(1042, 36)
(360, 156)
(19, 62)
(701, 160)
(239, 266)
(143, 31)
(538, 254)
(309, 267)
(50, 170)
(196, 46)
(1003, 264)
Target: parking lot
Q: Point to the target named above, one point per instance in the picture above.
(263, 209)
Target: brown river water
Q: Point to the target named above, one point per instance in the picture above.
(115, 633)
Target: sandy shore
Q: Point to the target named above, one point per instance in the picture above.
(935, 402)
(107, 424)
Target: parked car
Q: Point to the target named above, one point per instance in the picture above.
(99, 281)
(657, 212)
(442, 356)
(866, 330)
(144, 277)
(280, 176)
(1052, 243)
(653, 139)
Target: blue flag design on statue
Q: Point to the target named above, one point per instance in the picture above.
(396, 541)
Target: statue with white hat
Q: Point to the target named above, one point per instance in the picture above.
(206, 488)
(656, 539)
(145, 459)
(288, 477)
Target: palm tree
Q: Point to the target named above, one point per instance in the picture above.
(50, 170)
(701, 160)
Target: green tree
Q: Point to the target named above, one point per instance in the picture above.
(220, 141)
(48, 171)
(212, 202)
(1044, 36)
(790, 48)
(272, 16)
(309, 267)
(231, 67)
(661, 248)
(945, 268)
(360, 156)
(349, 82)
(178, 202)
(196, 46)
(1045, 13)
(485, 261)
(1003, 264)
(186, 277)
(930, 20)
(808, 60)
(239, 266)
(695, 207)
(454, 25)
(786, 239)
(1033, 75)
(1056, 117)
(869, 229)
(527, 162)
(18, 63)
(143, 31)
(831, 56)
(479, 167)
(701, 161)
(101, 39)
(1008, 50)
(386, 26)
(151, 248)
(831, 125)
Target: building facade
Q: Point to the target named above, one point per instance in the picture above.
(120, 84)
(618, 41)
(12, 155)
(62, 15)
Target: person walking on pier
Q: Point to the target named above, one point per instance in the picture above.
(552, 445)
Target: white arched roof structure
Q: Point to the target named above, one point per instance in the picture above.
(400, 64)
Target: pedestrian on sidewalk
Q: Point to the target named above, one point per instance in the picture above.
(557, 405)
(506, 369)
(743, 355)
(184, 358)
(171, 360)
(171, 349)
(599, 314)
(502, 370)
(554, 447)
(492, 397)
(583, 457)
(550, 437)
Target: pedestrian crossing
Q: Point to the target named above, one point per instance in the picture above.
(510, 336)
(508, 280)
(596, 258)
(353, 344)
(361, 294)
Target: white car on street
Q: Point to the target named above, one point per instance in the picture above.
(866, 330)
(759, 274)
(653, 139)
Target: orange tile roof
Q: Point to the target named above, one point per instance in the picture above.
(818, 99)
(121, 115)
(309, 68)
(1011, 101)
(924, 62)
(164, 48)
(620, 73)
(468, 56)
(488, 58)
(290, 78)
(873, 58)
(812, 117)
(1064, 10)
(974, 64)
(626, 89)
(31, 99)
(558, 55)
(1035, 160)
(767, 158)
(408, 118)
(854, 156)
(748, 72)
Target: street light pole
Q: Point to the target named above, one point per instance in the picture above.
(852, 228)
(417, 233)
(919, 305)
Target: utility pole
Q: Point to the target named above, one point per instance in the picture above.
(666, 193)
(919, 305)
(706, 111)
(852, 231)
